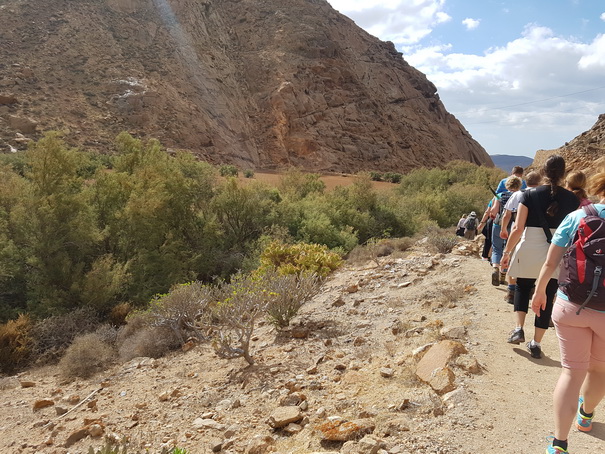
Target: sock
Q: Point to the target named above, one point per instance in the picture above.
(560, 443)
(519, 328)
(586, 415)
(534, 343)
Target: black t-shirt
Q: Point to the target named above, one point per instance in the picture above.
(567, 200)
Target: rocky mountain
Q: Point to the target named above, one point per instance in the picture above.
(506, 161)
(582, 152)
(257, 83)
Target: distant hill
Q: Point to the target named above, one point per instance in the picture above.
(506, 161)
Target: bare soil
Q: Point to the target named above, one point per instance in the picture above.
(331, 180)
(368, 317)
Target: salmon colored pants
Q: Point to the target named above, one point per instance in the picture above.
(581, 337)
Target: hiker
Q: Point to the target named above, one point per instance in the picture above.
(460, 226)
(540, 210)
(581, 333)
(576, 182)
(470, 226)
(510, 214)
(516, 172)
(485, 227)
(497, 212)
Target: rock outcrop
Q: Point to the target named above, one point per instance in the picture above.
(256, 83)
(583, 152)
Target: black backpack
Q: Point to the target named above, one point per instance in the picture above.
(503, 198)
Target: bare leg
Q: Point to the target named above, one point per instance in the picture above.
(520, 318)
(539, 335)
(593, 389)
(565, 399)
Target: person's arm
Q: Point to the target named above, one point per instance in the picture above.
(504, 223)
(495, 208)
(485, 217)
(554, 256)
(515, 235)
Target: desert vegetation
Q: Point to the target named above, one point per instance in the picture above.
(106, 237)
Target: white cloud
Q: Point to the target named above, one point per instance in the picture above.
(471, 24)
(602, 16)
(404, 22)
(537, 83)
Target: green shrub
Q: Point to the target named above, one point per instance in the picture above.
(392, 177)
(228, 170)
(87, 355)
(16, 344)
(296, 185)
(249, 173)
(376, 176)
(299, 258)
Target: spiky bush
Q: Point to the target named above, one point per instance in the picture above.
(53, 335)
(288, 294)
(233, 317)
(180, 309)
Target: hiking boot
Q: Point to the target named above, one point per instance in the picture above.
(583, 423)
(510, 296)
(516, 336)
(496, 277)
(503, 278)
(536, 352)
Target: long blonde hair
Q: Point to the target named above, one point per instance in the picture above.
(576, 182)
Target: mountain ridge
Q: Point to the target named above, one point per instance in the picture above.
(311, 90)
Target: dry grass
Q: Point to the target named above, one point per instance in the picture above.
(87, 355)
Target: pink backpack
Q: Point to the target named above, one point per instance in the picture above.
(581, 277)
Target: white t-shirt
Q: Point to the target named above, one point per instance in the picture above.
(513, 202)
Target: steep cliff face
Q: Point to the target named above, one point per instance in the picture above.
(584, 152)
(257, 83)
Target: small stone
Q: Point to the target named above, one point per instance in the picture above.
(96, 430)
(259, 444)
(387, 372)
(338, 303)
(43, 403)
(282, 416)
(299, 332)
(27, 384)
(200, 423)
(75, 437)
(312, 370)
(352, 288)
(293, 428)
(345, 431)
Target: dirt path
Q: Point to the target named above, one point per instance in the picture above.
(514, 396)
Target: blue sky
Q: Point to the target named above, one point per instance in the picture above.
(519, 75)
